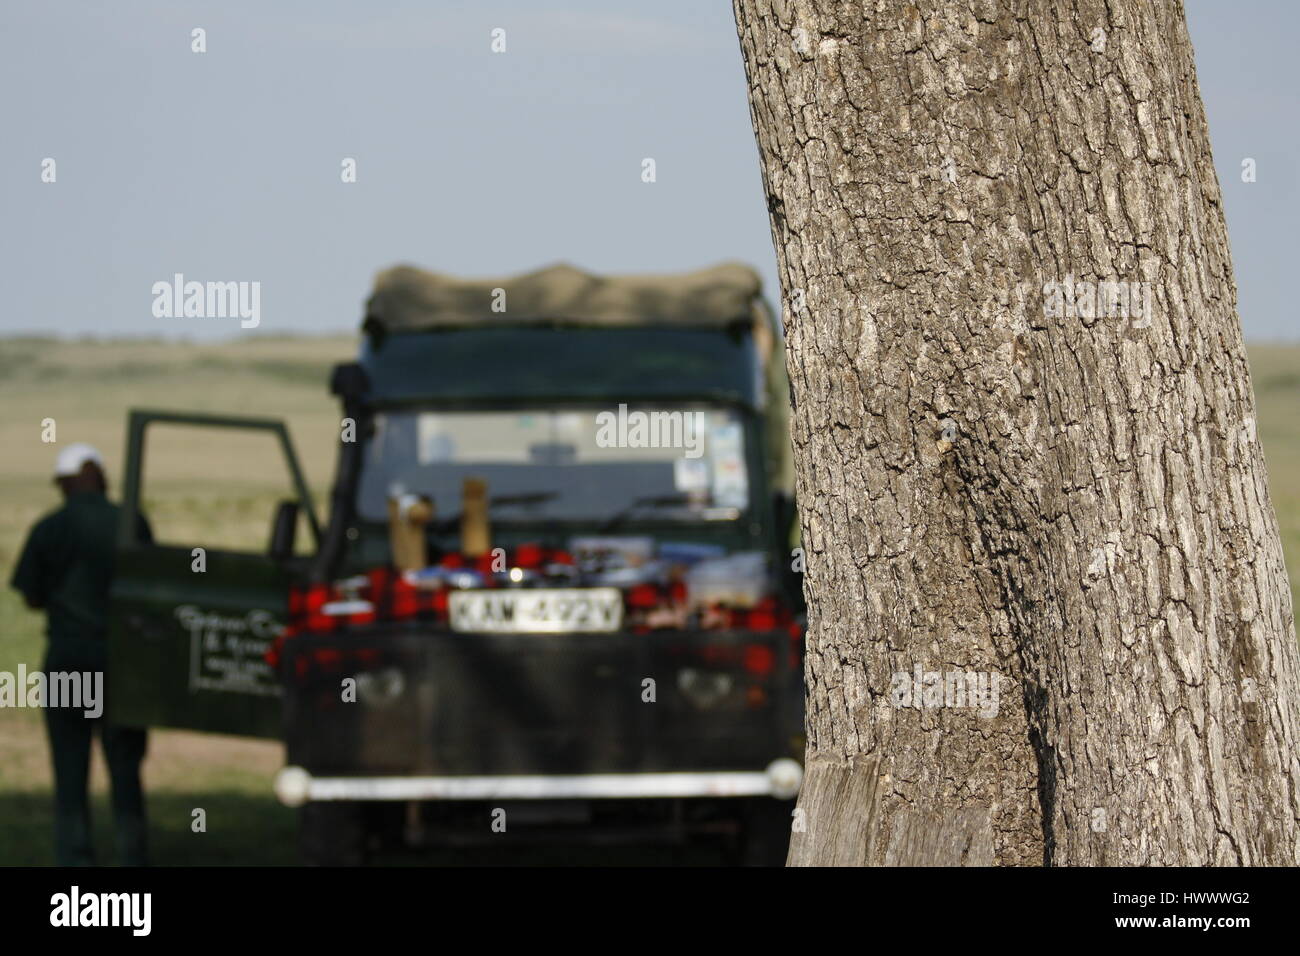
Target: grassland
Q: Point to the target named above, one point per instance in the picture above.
(87, 388)
(1275, 373)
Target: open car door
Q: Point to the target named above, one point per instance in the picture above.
(201, 585)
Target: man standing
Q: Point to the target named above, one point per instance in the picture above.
(65, 570)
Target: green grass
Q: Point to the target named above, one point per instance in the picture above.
(1275, 374)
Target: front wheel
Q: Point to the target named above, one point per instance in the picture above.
(765, 831)
(332, 834)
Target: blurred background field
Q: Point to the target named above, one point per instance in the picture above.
(87, 388)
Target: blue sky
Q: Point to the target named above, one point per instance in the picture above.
(226, 165)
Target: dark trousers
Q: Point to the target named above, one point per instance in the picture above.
(124, 748)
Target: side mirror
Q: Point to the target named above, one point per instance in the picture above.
(284, 530)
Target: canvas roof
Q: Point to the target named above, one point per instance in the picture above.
(407, 299)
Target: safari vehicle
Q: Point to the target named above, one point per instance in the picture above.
(553, 594)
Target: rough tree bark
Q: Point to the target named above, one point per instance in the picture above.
(994, 478)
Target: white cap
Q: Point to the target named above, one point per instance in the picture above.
(73, 457)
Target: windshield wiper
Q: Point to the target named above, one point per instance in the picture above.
(650, 501)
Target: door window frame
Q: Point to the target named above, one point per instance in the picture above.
(138, 422)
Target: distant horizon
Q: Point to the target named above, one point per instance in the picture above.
(237, 337)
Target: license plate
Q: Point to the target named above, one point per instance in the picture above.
(536, 610)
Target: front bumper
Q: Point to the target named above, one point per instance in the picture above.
(295, 786)
(433, 705)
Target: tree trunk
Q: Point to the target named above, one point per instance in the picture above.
(1007, 474)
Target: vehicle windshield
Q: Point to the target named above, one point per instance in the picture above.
(622, 463)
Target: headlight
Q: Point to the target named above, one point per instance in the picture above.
(786, 777)
(704, 688)
(293, 786)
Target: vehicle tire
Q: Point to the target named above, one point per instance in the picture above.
(332, 834)
(765, 832)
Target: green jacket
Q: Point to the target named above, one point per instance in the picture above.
(66, 567)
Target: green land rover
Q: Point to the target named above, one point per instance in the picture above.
(554, 586)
